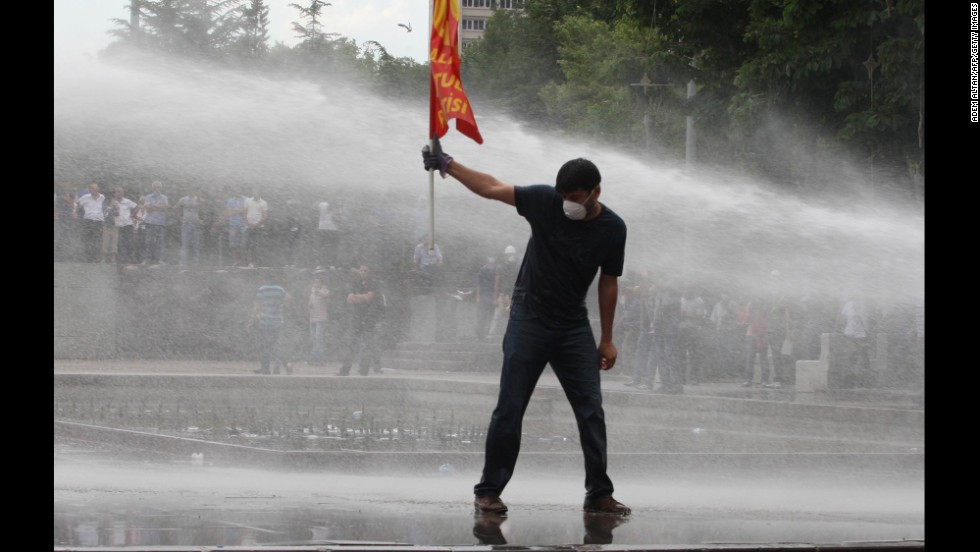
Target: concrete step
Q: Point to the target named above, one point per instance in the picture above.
(442, 365)
(468, 346)
(638, 421)
(443, 357)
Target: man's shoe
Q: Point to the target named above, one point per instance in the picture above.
(606, 505)
(490, 504)
(486, 528)
(599, 528)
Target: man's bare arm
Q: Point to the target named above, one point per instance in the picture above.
(480, 183)
(608, 296)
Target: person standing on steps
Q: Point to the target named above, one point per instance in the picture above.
(156, 206)
(506, 275)
(364, 299)
(573, 237)
(267, 313)
(486, 297)
(318, 306)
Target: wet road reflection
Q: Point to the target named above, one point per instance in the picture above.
(101, 499)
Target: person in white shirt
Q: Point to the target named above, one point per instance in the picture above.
(119, 235)
(256, 213)
(93, 219)
(427, 263)
(854, 319)
(327, 237)
(189, 207)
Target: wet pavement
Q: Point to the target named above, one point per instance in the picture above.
(106, 497)
(613, 381)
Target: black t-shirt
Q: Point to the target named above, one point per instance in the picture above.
(508, 275)
(563, 255)
(366, 311)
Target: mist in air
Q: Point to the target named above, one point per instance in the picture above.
(214, 127)
(189, 124)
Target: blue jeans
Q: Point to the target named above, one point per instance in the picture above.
(153, 246)
(317, 332)
(190, 242)
(529, 344)
(269, 355)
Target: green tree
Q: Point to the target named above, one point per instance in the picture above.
(252, 36)
(393, 76)
(312, 30)
(598, 61)
(196, 28)
(849, 70)
(509, 66)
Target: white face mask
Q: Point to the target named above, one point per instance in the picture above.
(576, 211)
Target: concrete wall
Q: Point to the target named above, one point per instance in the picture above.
(636, 422)
(85, 304)
(838, 366)
(117, 311)
(166, 311)
(440, 318)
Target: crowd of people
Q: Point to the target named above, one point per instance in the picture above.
(128, 227)
(672, 333)
(666, 330)
(676, 334)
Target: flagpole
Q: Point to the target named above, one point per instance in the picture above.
(447, 99)
(432, 147)
(432, 201)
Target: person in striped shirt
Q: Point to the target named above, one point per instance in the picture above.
(267, 315)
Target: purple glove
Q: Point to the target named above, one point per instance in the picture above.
(435, 159)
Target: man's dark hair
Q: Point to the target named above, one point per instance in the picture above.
(577, 174)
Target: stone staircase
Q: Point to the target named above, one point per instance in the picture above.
(462, 356)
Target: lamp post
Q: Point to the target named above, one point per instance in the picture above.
(870, 65)
(690, 144)
(690, 136)
(645, 83)
(689, 147)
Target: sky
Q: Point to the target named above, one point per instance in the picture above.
(80, 25)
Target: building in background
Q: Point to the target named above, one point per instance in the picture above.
(476, 14)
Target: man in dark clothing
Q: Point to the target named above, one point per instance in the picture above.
(364, 299)
(573, 237)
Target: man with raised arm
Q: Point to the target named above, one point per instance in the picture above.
(573, 237)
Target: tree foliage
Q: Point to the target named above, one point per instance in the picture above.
(251, 38)
(511, 64)
(778, 82)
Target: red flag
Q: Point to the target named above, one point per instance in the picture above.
(447, 99)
